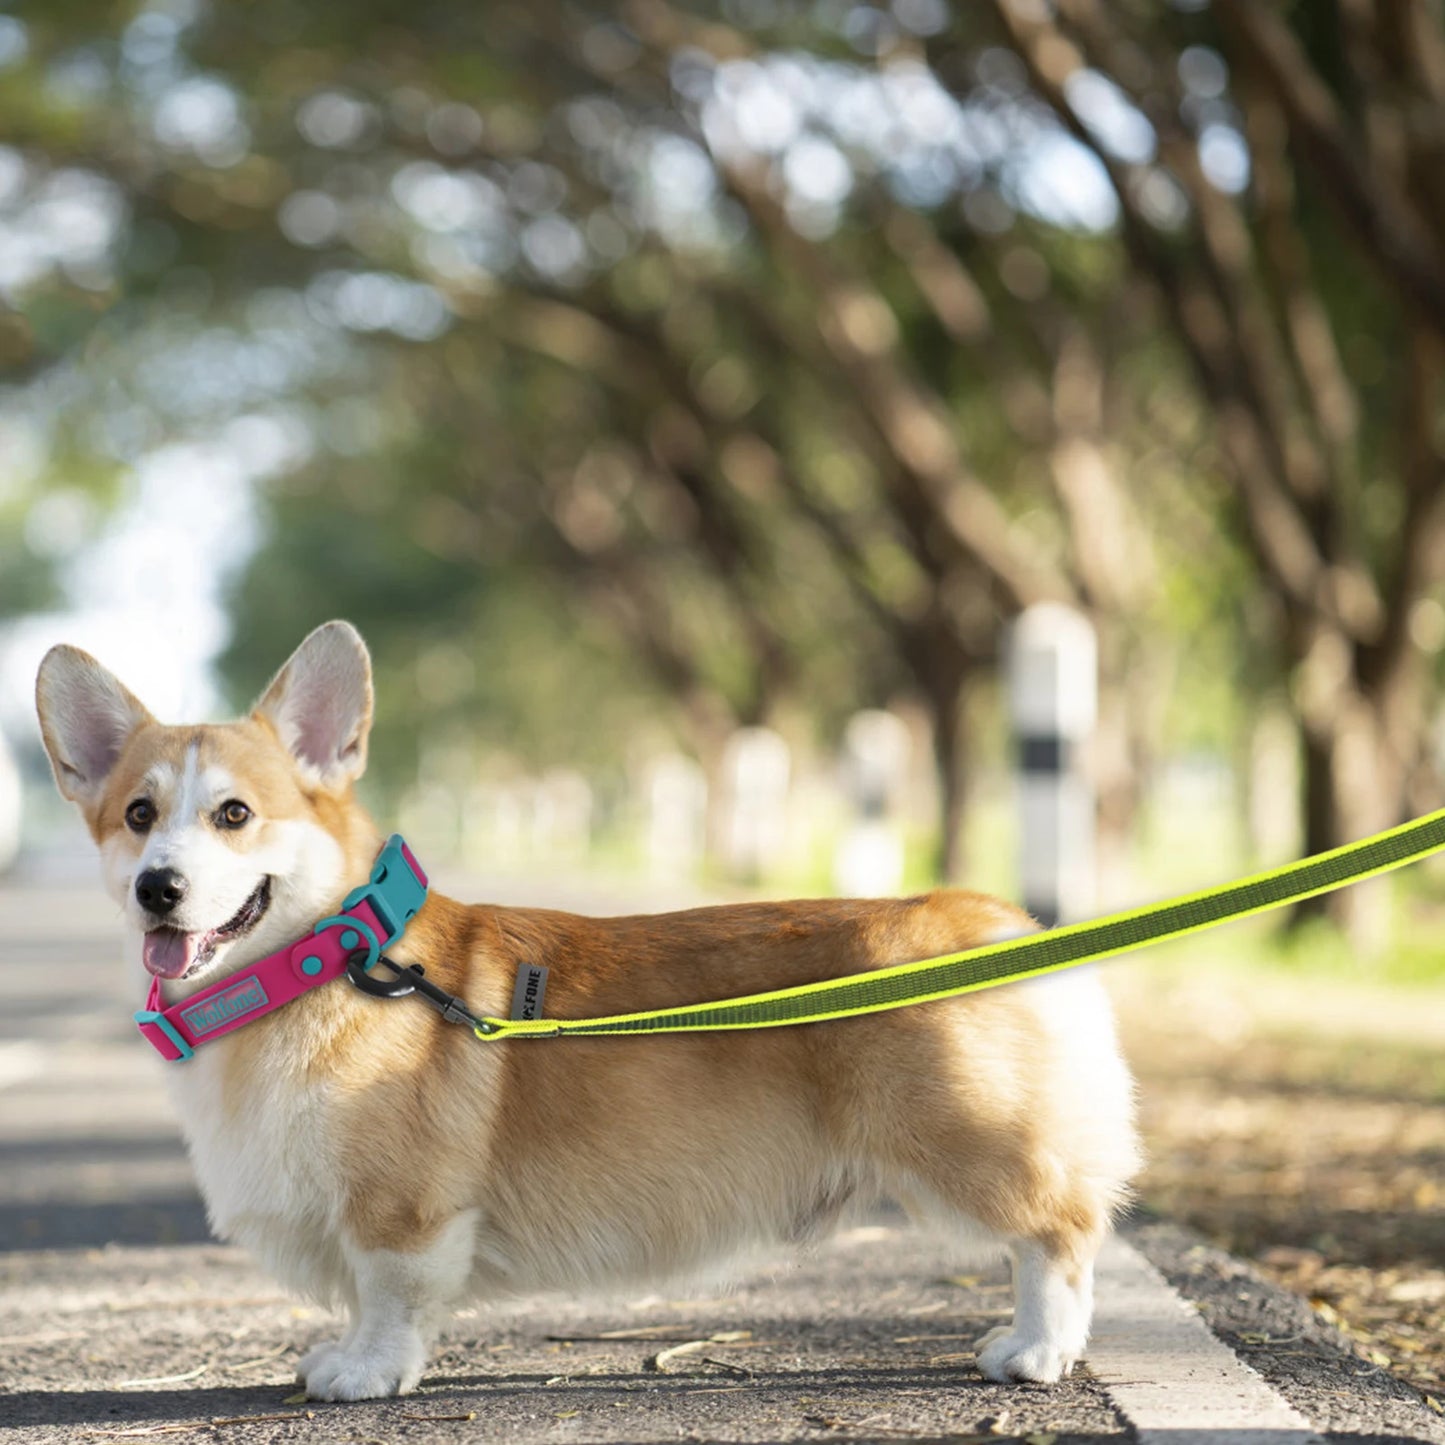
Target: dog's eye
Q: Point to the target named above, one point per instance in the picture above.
(233, 814)
(140, 815)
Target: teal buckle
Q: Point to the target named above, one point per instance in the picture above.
(394, 892)
(149, 1016)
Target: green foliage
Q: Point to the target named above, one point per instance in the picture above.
(480, 655)
(663, 370)
(27, 582)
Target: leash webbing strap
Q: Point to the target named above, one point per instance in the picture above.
(1015, 959)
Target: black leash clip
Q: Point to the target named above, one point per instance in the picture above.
(407, 980)
(398, 986)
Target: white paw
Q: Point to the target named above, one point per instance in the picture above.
(361, 1373)
(314, 1356)
(1005, 1357)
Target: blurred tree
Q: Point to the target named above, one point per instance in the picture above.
(26, 582)
(803, 344)
(1310, 304)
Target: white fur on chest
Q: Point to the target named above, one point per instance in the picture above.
(265, 1169)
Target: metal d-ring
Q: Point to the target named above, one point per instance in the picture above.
(398, 987)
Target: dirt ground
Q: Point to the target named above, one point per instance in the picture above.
(1302, 1126)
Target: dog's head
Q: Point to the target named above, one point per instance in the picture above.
(221, 843)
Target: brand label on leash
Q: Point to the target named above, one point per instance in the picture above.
(530, 992)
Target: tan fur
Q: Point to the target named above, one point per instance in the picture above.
(752, 1101)
(648, 1132)
(588, 1160)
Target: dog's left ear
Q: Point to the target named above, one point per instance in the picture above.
(86, 716)
(320, 704)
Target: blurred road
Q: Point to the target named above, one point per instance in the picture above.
(88, 1150)
(118, 1315)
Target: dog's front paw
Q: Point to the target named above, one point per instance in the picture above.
(314, 1356)
(1006, 1356)
(362, 1372)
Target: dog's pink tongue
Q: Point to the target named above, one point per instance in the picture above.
(168, 953)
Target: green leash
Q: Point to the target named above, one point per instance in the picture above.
(1018, 958)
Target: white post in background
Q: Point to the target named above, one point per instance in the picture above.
(869, 861)
(756, 767)
(1053, 689)
(562, 815)
(676, 815)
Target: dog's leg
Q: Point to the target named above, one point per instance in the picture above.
(1053, 1244)
(400, 1298)
(1030, 1164)
(1053, 1307)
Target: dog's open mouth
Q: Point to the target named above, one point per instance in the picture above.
(170, 953)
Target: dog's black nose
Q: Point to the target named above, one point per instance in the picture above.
(158, 890)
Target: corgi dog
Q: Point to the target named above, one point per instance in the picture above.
(372, 1155)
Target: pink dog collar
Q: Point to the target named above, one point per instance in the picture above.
(372, 917)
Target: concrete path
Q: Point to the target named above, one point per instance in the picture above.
(119, 1319)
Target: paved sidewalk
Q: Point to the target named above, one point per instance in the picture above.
(867, 1339)
(161, 1332)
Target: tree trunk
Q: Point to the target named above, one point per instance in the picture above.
(946, 705)
(1353, 786)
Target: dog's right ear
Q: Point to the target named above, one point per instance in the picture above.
(320, 705)
(86, 715)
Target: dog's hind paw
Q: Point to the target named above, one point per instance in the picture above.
(1007, 1357)
(355, 1372)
